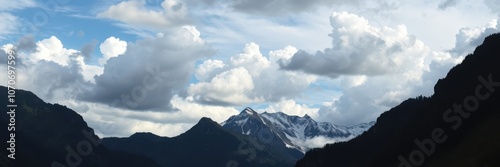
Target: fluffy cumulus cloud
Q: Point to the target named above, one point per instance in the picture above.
(230, 87)
(52, 49)
(48, 58)
(251, 59)
(247, 78)
(361, 49)
(135, 13)
(111, 47)
(208, 69)
(468, 38)
(150, 72)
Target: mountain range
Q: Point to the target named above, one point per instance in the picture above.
(292, 131)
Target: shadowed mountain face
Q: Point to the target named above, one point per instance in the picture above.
(205, 144)
(458, 126)
(294, 132)
(53, 135)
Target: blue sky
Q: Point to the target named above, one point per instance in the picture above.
(339, 61)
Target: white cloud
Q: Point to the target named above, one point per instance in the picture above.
(249, 78)
(284, 54)
(353, 81)
(49, 70)
(111, 47)
(228, 87)
(251, 59)
(469, 38)
(52, 49)
(361, 49)
(208, 69)
(317, 142)
(88, 71)
(135, 13)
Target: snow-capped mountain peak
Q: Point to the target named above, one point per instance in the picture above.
(301, 133)
(250, 111)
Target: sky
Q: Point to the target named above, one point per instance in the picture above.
(159, 66)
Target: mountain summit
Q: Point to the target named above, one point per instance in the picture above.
(292, 131)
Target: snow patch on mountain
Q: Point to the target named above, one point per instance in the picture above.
(301, 133)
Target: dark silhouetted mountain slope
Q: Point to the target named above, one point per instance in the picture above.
(458, 126)
(54, 135)
(205, 144)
